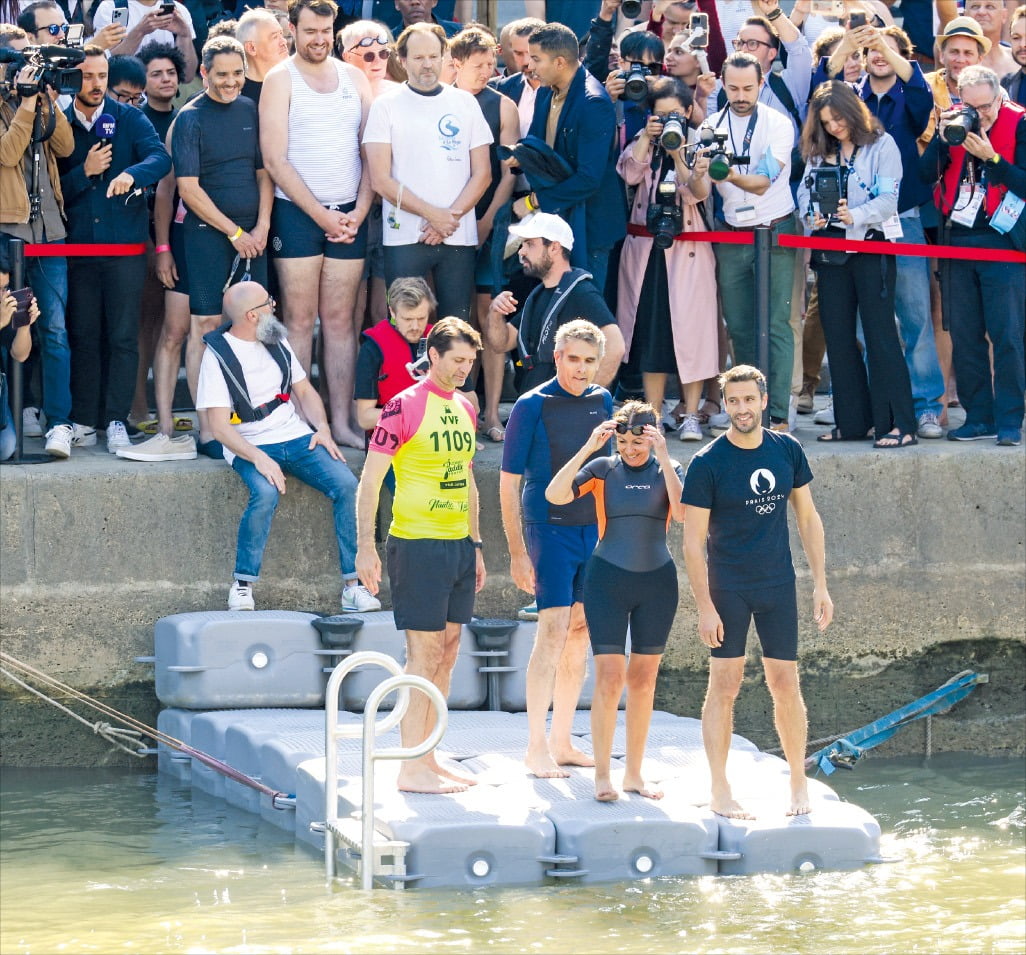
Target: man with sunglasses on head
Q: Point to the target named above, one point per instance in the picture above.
(117, 157)
(253, 389)
(313, 109)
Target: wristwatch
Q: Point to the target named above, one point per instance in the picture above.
(478, 544)
(775, 14)
(995, 159)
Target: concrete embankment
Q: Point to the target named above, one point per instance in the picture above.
(926, 551)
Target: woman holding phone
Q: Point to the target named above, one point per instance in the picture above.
(630, 580)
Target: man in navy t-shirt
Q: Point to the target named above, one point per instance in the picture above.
(736, 491)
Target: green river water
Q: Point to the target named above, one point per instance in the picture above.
(115, 861)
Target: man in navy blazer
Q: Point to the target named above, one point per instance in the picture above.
(575, 116)
(117, 156)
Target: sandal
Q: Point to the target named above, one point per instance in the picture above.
(150, 425)
(495, 434)
(703, 415)
(902, 439)
(834, 434)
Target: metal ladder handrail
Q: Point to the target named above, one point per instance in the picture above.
(369, 729)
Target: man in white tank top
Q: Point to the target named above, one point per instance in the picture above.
(315, 107)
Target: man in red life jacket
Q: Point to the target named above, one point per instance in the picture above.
(980, 192)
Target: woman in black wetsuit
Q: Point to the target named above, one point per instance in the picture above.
(630, 580)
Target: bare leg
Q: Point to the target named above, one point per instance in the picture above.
(943, 341)
(642, 671)
(443, 680)
(654, 384)
(493, 366)
(168, 356)
(300, 282)
(569, 680)
(610, 673)
(549, 641)
(377, 308)
(792, 726)
(198, 327)
(691, 394)
(340, 328)
(725, 676)
(427, 653)
(151, 315)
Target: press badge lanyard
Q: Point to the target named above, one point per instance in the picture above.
(749, 132)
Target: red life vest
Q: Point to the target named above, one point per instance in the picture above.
(395, 355)
(1002, 138)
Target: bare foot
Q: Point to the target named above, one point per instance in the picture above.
(541, 764)
(466, 780)
(638, 786)
(729, 808)
(572, 757)
(800, 804)
(350, 439)
(422, 780)
(604, 791)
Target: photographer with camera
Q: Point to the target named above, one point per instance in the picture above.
(851, 191)
(666, 305)
(979, 157)
(32, 209)
(751, 175)
(117, 157)
(18, 313)
(641, 63)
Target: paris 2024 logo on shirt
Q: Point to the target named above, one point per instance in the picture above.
(762, 482)
(449, 133)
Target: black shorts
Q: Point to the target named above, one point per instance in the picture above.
(615, 599)
(294, 235)
(178, 254)
(210, 255)
(432, 581)
(776, 621)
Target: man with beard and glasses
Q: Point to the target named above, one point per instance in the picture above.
(117, 157)
(253, 389)
(227, 193)
(321, 199)
(565, 293)
(736, 490)
(1015, 82)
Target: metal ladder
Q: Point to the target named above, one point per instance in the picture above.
(357, 831)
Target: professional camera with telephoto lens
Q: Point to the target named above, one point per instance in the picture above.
(827, 185)
(964, 121)
(635, 88)
(720, 158)
(665, 218)
(53, 68)
(672, 136)
(631, 9)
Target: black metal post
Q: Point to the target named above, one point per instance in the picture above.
(762, 305)
(16, 251)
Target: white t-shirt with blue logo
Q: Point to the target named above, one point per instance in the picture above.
(431, 137)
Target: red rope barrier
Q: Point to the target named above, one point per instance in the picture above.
(850, 245)
(60, 250)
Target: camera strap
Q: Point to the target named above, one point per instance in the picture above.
(749, 131)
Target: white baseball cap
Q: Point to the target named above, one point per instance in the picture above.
(545, 225)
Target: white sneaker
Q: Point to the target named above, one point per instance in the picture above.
(117, 437)
(825, 415)
(929, 426)
(82, 436)
(240, 597)
(58, 441)
(792, 412)
(719, 421)
(690, 429)
(358, 599)
(31, 423)
(161, 448)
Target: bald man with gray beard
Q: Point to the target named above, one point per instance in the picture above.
(252, 385)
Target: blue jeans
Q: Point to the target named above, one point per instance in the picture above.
(915, 323)
(48, 278)
(316, 468)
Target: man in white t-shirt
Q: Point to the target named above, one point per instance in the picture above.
(250, 385)
(151, 21)
(424, 139)
(757, 192)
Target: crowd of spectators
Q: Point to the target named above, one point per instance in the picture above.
(331, 150)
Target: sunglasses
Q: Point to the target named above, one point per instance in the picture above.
(370, 56)
(56, 29)
(623, 427)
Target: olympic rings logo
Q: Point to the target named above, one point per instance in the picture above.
(765, 508)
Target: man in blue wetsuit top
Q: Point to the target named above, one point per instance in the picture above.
(550, 544)
(736, 491)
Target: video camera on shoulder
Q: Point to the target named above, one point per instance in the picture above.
(720, 157)
(53, 68)
(664, 217)
(827, 185)
(963, 121)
